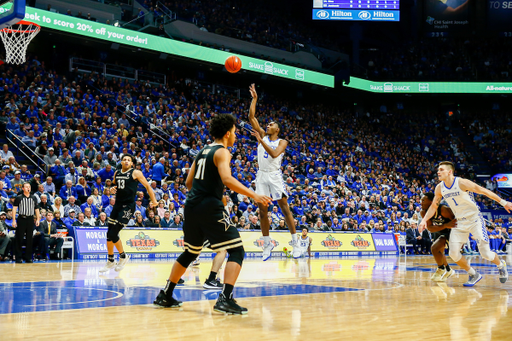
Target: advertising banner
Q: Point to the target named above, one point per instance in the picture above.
(430, 87)
(503, 180)
(496, 214)
(499, 16)
(446, 15)
(144, 241)
(141, 40)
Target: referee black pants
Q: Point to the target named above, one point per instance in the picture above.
(25, 227)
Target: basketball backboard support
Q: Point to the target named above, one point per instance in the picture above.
(11, 12)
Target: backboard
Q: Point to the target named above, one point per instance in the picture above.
(11, 12)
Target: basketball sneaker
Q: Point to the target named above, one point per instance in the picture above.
(503, 272)
(267, 251)
(107, 267)
(213, 284)
(196, 262)
(473, 279)
(228, 306)
(436, 277)
(447, 275)
(162, 300)
(181, 281)
(122, 262)
(297, 252)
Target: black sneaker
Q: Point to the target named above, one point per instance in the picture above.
(181, 281)
(228, 306)
(213, 284)
(166, 302)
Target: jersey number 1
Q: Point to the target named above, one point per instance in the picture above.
(200, 169)
(455, 202)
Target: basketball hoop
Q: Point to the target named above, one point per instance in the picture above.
(16, 39)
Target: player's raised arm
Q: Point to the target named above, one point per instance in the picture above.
(272, 152)
(222, 159)
(137, 174)
(252, 111)
(432, 209)
(470, 186)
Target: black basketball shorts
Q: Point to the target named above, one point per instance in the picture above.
(209, 221)
(443, 233)
(121, 214)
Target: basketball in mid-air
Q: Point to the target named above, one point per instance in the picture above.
(233, 64)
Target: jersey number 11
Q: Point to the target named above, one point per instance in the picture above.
(200, 169)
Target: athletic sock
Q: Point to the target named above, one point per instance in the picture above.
(501, 264)
(441, 267)
(213, 276)
(448, 267)
(266, 240)
(111, 258)
(294, 238)
(227, 290)
(122, 255)
(471, 271)
(169, 288)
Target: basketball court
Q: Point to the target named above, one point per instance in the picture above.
(384, 298)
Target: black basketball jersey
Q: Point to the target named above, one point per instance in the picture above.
(438, 219)
(207, 181)
(126, 187)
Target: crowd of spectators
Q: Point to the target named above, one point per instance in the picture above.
(344, 170)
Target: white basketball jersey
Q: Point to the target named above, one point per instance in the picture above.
(462, 203)
(265, 161)
(304, 243)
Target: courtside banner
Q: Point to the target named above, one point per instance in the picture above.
(141, 40)
(148, 241)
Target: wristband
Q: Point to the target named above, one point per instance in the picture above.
(503, 202)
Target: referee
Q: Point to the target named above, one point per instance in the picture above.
(26, 206)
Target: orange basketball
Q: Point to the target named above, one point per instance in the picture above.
(233, 64)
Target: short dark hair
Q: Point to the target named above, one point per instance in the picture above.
(430, 196)
(221, 124)
(447, 163)
(134, 161)
(305, 228)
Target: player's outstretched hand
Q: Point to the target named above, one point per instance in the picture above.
(451, 224)
(422, 226)
(252, 90)
(262, 199)
(256, 134)
(113, 190)
(508, 206)
(153, 204)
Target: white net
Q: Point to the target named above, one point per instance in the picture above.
(16, 39)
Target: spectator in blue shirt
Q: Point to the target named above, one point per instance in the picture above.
(67, 191)
(106, 173)
(110, 207)
(159, 171)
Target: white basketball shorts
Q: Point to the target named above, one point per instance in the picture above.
(475, 226)
(271, 184)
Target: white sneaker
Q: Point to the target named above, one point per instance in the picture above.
(108, 266)
(447, 275)
(436, 277)
(122, 262)
(267, 251)
(297, 252)
(196, 262)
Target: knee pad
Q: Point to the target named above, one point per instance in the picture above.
(236, 255)
(186, 258)
(455, 252)
(113, 232)
(485, 251)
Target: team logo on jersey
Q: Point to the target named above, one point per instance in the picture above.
(180, 242)
(331, 243)
(360, 243)
(142, 242)
(260, 242)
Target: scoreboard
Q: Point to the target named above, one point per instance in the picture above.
(364, 10)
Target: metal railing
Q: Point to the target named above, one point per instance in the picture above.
(17, 144)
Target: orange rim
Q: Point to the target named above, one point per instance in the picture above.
(23, 22)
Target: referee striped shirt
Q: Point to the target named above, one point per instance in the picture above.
(26, 205)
